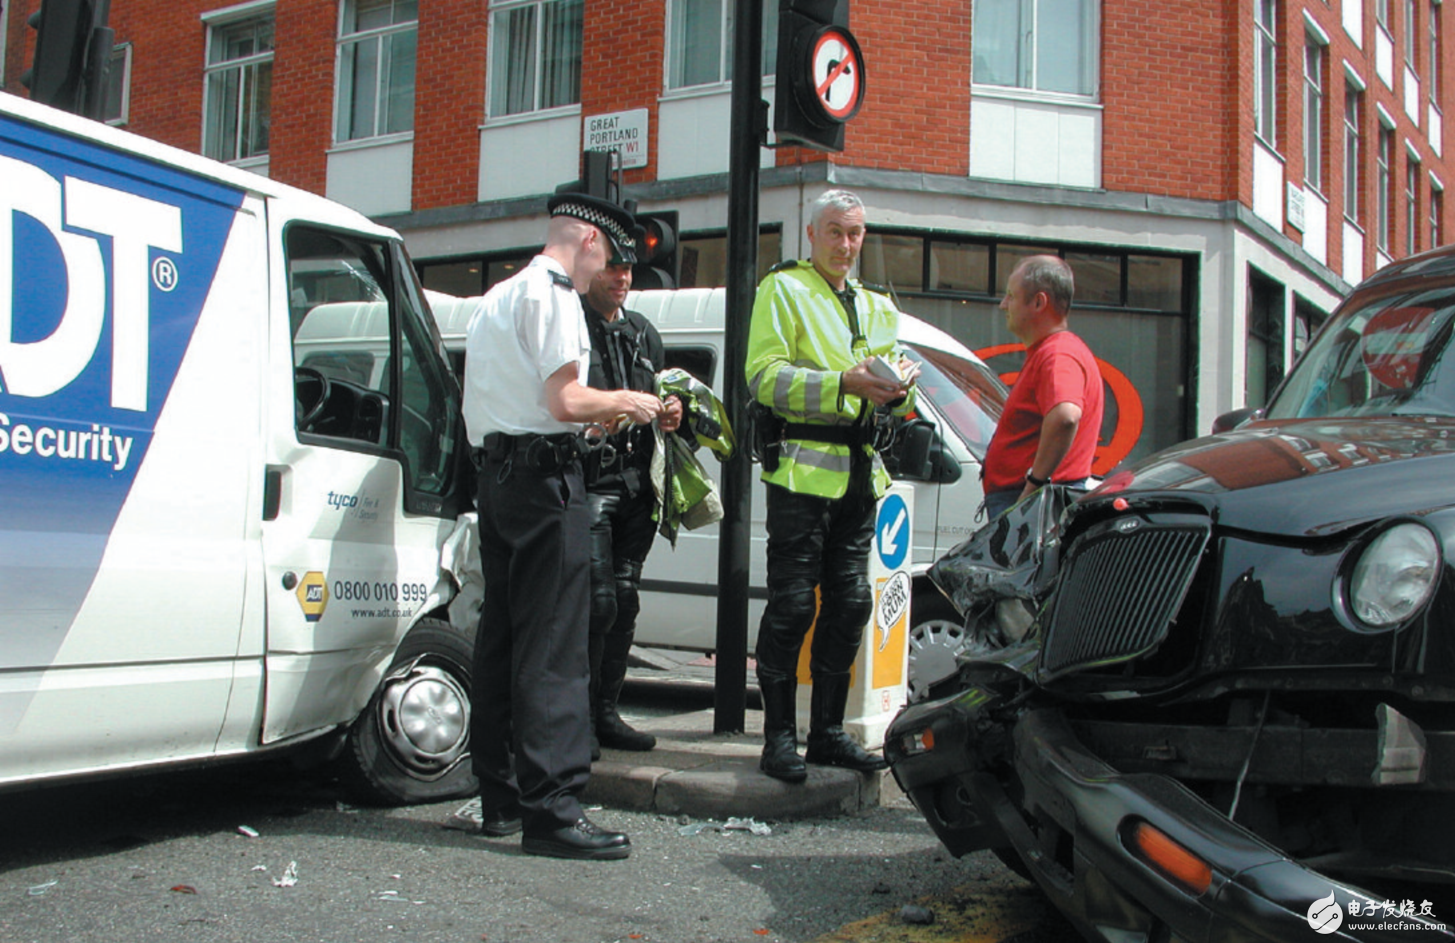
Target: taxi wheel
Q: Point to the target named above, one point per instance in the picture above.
(412, 743)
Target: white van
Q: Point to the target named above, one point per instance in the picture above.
(209, 547)
(958, 394)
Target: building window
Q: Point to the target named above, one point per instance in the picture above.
(1381, 13)
(1433, 58)
(1313, 113)
(1265, 338)
(1307, 320)
(1265, 69)
(1437, 213)
(700, 41)
(1383, 187)
(1042, 45)
(1411, 41)
(1411, 205)
(376, 52)
(535, 55)
(117, 95)
(239, 88)
(1353, 106)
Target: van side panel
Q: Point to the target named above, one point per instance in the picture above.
(131, 306)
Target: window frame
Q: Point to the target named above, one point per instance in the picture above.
(726, 30)
(246, 66)
(1091, 51)
(1411, 34)
(1432, 51)
(1353, 144)
(498, 36)
(1412, 203)
(358, 38)
(1437, 208)
(410, 331)
(1384, 188)
(1265, 71)
(1313, 112)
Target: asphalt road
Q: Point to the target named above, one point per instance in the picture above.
(163, 858)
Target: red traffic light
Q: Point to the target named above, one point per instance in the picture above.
(658, 239)
(659, 262)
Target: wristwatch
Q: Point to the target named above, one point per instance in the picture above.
(1038, 482)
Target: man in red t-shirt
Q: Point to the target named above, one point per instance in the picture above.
(1049, 427)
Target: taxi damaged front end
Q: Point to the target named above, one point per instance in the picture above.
(1238, 700)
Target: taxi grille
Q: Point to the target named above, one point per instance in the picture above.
(1120, 586)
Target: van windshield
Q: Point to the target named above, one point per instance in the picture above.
(967, 395)
(1388, 357)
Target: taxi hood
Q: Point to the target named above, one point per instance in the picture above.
(1307, 477)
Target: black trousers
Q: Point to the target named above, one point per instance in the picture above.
(812, 542)
(622, 531)
(530, 721)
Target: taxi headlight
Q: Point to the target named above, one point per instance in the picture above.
(1395, 575)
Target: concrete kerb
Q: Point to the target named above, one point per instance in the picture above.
(701, 774)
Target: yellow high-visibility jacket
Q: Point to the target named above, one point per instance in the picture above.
(800, 341)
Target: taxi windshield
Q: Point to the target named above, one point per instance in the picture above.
(967, 395)
(1386, 357)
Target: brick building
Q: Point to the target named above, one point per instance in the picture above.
(1218, 174)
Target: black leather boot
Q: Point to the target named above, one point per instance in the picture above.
(610, 730)
(780, 730)
(828, 744)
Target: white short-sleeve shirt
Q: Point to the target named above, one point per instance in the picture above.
(524, 330)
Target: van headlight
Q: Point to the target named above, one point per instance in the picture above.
(1394, 575)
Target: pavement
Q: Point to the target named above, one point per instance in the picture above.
(698, 773)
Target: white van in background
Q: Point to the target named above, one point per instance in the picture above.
(958, 394)
(220, 535)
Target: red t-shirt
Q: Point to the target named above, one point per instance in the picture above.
(1059, 369)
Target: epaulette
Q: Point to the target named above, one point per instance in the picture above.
(786, 264)
(877, 289)
(563, 280)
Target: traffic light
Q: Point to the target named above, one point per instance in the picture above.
(659, 256)
(72, 54)
(820, 82)
(596, 176)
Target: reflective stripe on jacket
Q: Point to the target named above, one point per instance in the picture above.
(800, 341)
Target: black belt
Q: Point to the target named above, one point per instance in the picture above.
(544, 454)
(856, 434)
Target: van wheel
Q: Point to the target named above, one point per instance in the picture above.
(412, 743)
(935, 639)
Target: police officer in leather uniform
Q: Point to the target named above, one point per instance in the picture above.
(626, 353)
(526, 356)
(813, 341)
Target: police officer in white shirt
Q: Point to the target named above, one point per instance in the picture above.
(526, 406)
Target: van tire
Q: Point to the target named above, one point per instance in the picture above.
(412, 742)
(936, 636)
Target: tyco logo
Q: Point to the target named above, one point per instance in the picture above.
(313, 595)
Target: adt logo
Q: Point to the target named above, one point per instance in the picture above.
(1324, 915)
(133, 225)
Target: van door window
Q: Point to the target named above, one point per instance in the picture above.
(701, 362)
(369, 369)
(429, 422)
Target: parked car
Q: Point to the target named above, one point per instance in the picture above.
(1232, 716)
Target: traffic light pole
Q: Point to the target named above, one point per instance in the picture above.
(746, 129)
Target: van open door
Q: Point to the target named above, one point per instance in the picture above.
(362, 472)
